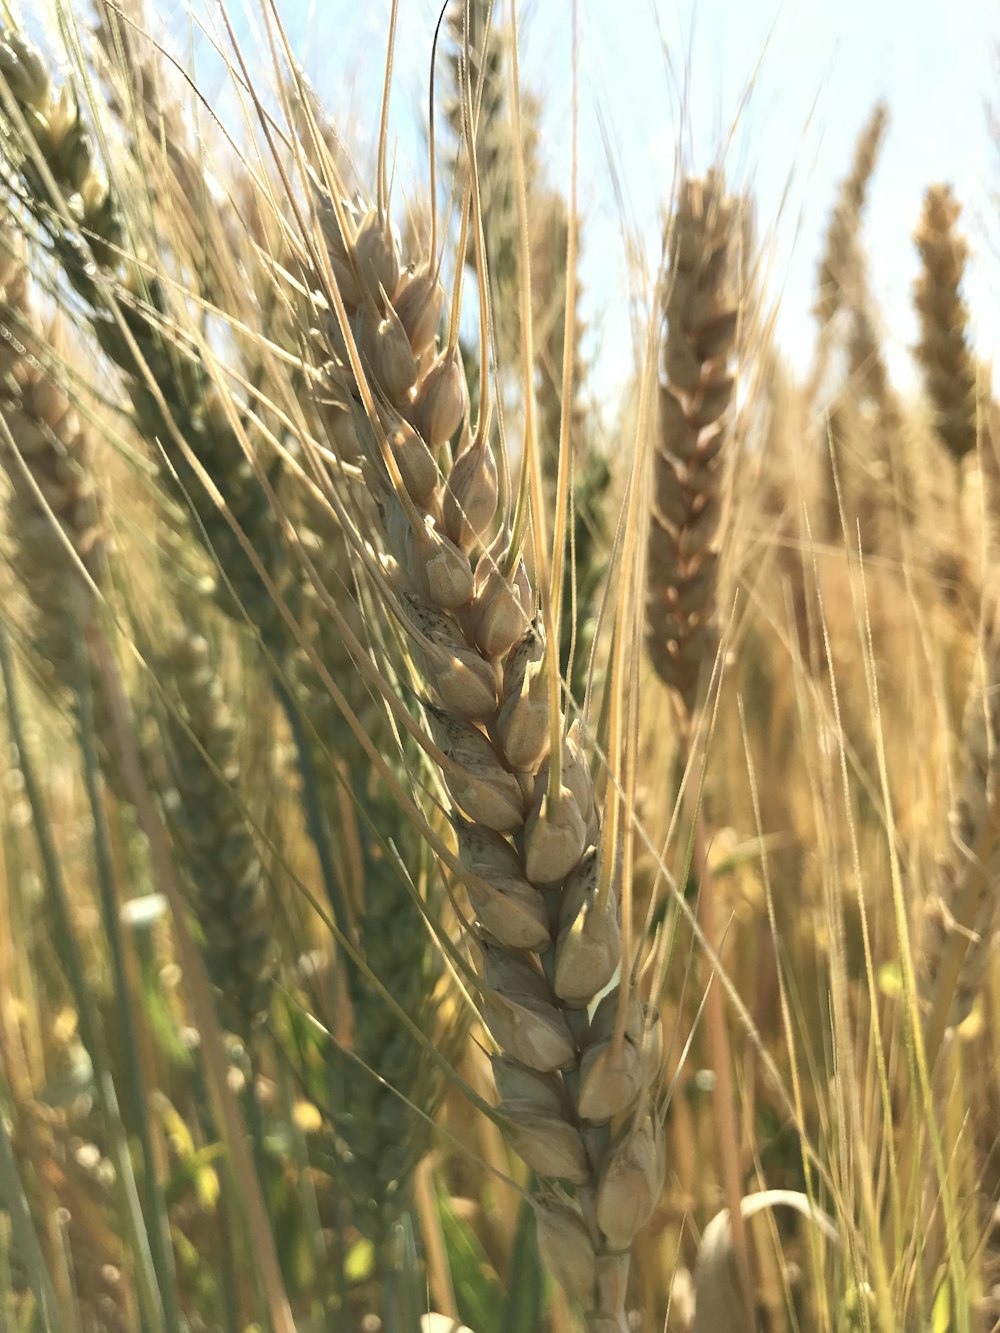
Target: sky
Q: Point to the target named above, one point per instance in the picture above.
(779, 91)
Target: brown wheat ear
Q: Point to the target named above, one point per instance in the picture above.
(696, 389)
(943, 350)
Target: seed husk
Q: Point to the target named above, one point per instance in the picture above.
(479, 783)
(554, 835)
(514, 1082)
(514, 913)
(465, 684)
(567, 1248)
(443, 571)
(376, 256)
(387, 349)
(501, 603)
(533, 1031)
(419, 302)
(441, 400)
(588, 948)
(631, 1184)
(522, 727)
(470, 496)
(551, 1146)
(415, 462)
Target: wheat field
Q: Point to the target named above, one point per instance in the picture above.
(477, 857)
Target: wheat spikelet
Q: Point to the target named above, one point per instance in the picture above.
(184, 400)
(695, 393)
(840, 251)
(226, 881)
(943, 350)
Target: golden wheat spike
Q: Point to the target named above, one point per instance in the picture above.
(696, 390)
(943, 349)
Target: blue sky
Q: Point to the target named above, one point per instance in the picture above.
(784, 87)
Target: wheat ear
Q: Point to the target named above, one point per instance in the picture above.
(390, 1087)
(696, 390)
(227, 887)
(840, 250)
(541, 879)
(54, 516)
(175, 403)
(943, 350)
